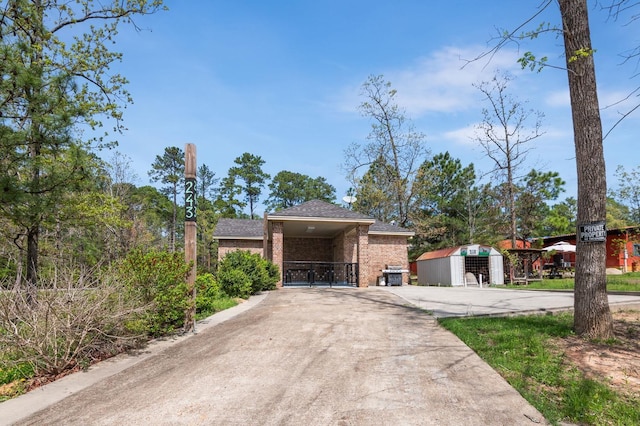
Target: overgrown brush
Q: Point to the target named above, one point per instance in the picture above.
(81, 317)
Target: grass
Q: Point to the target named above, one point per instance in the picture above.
(626, 282)
(216, 305)
(13, 379)
(522, 350)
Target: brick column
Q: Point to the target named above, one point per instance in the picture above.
(277, 247)
(363, 255)
(266, 250)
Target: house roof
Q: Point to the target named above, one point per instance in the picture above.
(382, 228)
(320, 210)
(313, 218)
(239, 229)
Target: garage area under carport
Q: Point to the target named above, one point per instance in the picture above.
(319, 252)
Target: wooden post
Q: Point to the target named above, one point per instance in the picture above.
(190, 232)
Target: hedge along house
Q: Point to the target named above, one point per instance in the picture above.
(319, 243)
(473, 265)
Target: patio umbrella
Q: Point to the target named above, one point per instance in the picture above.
(561, 246)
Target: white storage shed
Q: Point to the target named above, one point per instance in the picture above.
(471, 265)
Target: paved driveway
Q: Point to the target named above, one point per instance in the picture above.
(299, 357)
(461, 301)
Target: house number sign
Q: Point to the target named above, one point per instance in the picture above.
(190, 200)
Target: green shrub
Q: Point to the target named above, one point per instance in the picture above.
(208, 295)
(157, 280)
(262, 274)
(235, 283)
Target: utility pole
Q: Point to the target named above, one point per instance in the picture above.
(190, 232)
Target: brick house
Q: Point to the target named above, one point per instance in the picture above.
(319, 242)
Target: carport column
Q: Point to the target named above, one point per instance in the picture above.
(363, 255)
(277, 247)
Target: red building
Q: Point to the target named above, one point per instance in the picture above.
(623, 247)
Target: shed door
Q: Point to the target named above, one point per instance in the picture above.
(477, 265)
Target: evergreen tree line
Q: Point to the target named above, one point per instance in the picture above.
(105, 215)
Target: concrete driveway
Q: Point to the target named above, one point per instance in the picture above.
(298, 356)
(460, 301)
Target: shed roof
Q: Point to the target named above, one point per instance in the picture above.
(437, 254)
(481, 250)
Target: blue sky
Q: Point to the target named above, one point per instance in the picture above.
(281, 79)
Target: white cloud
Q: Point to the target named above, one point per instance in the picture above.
(439, 83)
(462, 136)
(443, 81)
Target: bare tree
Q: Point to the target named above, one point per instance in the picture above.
(505, 132)
(392, 143)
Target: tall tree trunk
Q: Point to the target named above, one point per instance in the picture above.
(512, 201)
(32, 263)
(592, 315)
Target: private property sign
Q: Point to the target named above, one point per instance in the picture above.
(595, 232)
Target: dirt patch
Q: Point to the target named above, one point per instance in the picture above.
(618, 361)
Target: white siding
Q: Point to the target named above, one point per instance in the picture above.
(496, 269)
(457, 270)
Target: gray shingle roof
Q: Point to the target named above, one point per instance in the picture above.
(239, 228)
(387, 228)
(253, 229)
(319, 209)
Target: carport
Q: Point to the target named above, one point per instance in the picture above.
(319, 243)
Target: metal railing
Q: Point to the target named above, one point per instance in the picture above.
(320, 273)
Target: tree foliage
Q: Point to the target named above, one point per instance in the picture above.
(441, 210)
(56, 76)
(561, 218)
(168, 169)
(372, 197)
(533, 193)
(288, 189)
(628, 191)
(253, 178)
